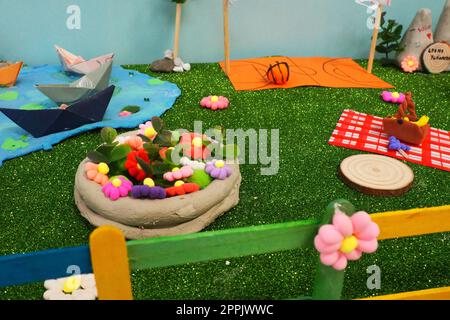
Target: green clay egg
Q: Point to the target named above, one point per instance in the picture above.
(201, 178)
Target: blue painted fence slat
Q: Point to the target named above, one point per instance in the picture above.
(42, 265)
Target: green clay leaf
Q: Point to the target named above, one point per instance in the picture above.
(157, 124)
(97, 157)
(152, 151)
(132, 109)
(108, 135)
(145, 166)
(120, 152)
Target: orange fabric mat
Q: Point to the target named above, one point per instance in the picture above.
(250, 74)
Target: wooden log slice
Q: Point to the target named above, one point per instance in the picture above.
(436, 58)
(376, 175)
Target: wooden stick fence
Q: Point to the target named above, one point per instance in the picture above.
(112, 257)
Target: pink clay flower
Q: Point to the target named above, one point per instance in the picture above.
(96, 173)
(147, 130)
(346, 239)
(117, 188)
(178, 174)
(410, 64)
(393, 97)
(215, 102)
(125, 113)
(136, 143)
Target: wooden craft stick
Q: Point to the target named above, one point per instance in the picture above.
(177, 32)
(226, 36)
(403, 153)
(374, 38)
(109, 258)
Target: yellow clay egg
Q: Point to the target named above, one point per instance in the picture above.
(197, 142)
(179, 183)
(214, 98)
(72, 284)
(116, 183)
(103, 168)
(349, 244)
(175, 169)
(149, 182)
(220, 164)
(149, 132)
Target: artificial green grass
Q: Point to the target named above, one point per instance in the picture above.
(37, 209)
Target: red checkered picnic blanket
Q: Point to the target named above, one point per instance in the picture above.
(360, 131)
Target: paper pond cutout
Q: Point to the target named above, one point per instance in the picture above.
(129, 91)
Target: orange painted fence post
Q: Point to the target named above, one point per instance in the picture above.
(110, 264)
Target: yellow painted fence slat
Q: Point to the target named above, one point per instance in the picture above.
(110, 264)
(429, 294)
(414, 222)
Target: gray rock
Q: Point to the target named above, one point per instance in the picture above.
(162, 65)
(417, 37)
(443, 28)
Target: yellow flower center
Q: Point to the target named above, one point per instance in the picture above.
(396, 94)
(103, 168)
(410, 63)
(220, 164)
(149, 132)
(175, 169)
(116, 183)
(197, 142)
(349, 244)
(149, 182)
(214, 98)
(72, 284)
(179, 183)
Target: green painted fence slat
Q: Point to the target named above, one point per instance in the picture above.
(329, 282)
(206, 246)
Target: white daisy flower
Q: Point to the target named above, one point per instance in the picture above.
(78, 287)
(196, 165)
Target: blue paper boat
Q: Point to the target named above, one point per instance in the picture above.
(40, 123)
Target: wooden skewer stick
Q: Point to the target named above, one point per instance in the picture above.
(403, 153)
(375, 38)
(177, 32)
(226, 36)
